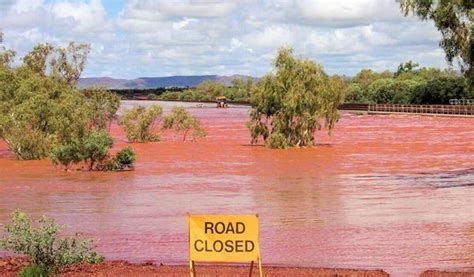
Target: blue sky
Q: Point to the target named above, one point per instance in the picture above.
(136, 38)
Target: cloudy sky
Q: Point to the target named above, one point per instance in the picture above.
(139, 38)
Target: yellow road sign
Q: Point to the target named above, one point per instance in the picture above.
(224, 238)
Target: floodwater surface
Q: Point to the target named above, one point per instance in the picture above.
(392, 192)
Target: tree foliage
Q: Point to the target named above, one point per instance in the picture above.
(43, 245)
(181, 121)
(287, 106)
(454, 19)
(40, 106)
(43, 114)
(139, 122)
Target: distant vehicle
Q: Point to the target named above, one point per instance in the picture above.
(221, 102)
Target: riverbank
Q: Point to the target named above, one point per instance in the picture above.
(10, 266)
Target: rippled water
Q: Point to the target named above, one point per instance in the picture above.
(391, 192)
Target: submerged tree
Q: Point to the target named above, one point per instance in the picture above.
(43, 114)
(181, 121)
(287, 106)
(454, 19)
(139, 121)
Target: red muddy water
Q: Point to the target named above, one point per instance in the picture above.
(389, 191)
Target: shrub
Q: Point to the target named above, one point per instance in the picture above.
(126, 157)
(43, 245)
(96, 147)
(181, 121)
(139, 121)
(35, 271)
(67, 154)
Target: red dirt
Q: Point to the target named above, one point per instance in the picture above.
(11, 266)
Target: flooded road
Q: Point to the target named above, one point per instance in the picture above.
(394, 192)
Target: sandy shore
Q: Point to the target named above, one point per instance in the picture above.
(10, 266)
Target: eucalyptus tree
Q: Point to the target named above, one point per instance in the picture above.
(289, 105)
(454, 19)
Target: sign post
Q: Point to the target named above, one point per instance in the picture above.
(224, 238)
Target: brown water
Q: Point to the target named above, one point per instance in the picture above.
(391, 192)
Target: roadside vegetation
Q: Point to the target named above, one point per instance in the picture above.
(408, 85)
(43, 114)
(40, 241)
(289, 105)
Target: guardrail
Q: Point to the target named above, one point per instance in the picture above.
(422, 109)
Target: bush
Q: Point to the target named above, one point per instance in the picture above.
(67, 154)
(181, 121)
(96, 147)
(139, 121)
(43, 245)
(35, 271)
(126, 157)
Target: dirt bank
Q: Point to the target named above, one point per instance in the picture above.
(10, 267)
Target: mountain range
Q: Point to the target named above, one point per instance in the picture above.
(158, 82)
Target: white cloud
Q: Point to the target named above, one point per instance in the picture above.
(160, 37)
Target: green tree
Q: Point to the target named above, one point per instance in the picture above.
(406, 67)
(40, 106)
(440, 90)
(139, 122)
(454, 19)
(287, 106)
(181, 121)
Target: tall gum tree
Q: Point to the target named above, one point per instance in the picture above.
(289, 104)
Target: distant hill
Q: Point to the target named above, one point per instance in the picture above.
(157, 82)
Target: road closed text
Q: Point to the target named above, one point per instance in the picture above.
(229, 238)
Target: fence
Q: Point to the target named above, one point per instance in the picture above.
(422, 109)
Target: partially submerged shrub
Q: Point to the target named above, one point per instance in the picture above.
(139, 121)
(67, 154)
(96, 147)
(43, 245)
(124, 159)
(94, 150)
(181, 121)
